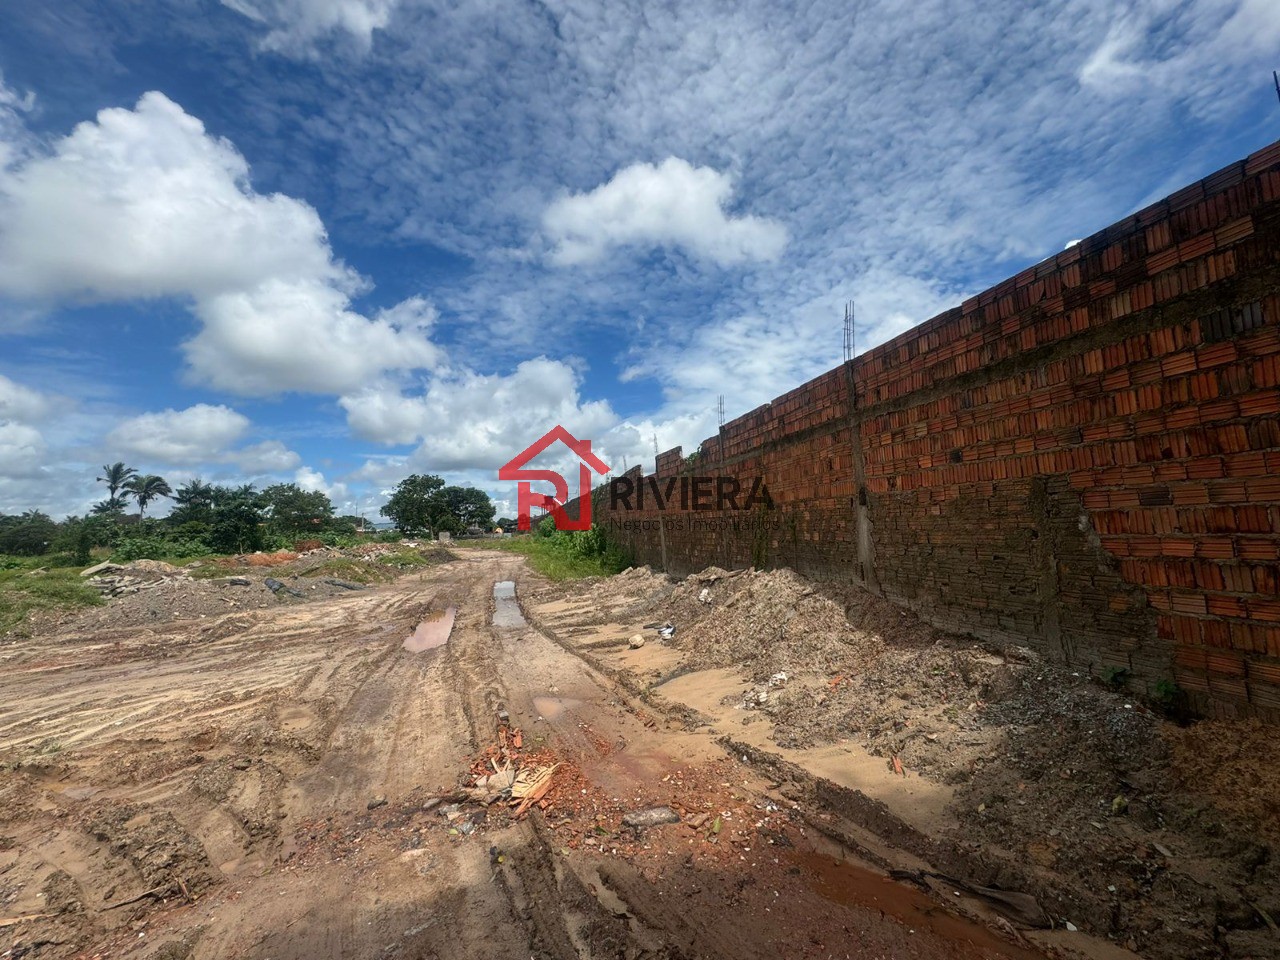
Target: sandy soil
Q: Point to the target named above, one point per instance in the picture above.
(284, 779)
(987, 764)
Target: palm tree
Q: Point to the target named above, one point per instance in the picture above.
(116, 476)
(194, 500)
(110, 506)
(147, 488)
(195, 492)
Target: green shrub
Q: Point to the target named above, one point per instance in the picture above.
(568, 554)
(1115, 677)
(1170, 698)
(62, 561)
(157, 548)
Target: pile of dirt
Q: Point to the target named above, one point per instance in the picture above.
(628, 595)
(906, 702)
(1225, 761)
(276, 559)
(151, 592)
(1132, 827)
(183, 598)
(767, 623)
(1083, 783)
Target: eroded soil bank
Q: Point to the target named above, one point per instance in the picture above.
(988, 763)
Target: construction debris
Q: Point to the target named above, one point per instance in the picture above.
(652, 817)
(1065, 789)
(276, 587)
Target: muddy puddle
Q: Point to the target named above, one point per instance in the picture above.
(843, 882)
(553, 708)
(506, 609)
(432, 632)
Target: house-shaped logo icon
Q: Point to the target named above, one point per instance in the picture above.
(527, 499)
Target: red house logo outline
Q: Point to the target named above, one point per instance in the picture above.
(527, 499)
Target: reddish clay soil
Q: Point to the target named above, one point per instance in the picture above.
(284, 778)
(277, 781)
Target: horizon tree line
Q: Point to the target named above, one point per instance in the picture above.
(211, 518)
(144, 488)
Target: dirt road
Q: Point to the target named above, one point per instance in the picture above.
(266, 783)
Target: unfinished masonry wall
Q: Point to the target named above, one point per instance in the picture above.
(1084, 458)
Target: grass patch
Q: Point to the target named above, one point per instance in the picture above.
(567, 555)
(26, 587)
(405, 559)
(378, 570)
(356, 571)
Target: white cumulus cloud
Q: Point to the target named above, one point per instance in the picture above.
(197, 437)
(269, 456)
(22, 450)
(144, 203)
(669, 205)
(296, 25)
(21, 404)
(467, 420)
(284, 335)
(187, 437)
(314, 481)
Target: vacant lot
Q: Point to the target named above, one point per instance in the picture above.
(207, 768)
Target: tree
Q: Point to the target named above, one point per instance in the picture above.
(75, 536)
(147, 488)
(290, 509)
(415, 505)
(237, 520)
(28, 535)
(110, 507)
(466, 507)
(194, 501)
(349, 525)
(116, 476)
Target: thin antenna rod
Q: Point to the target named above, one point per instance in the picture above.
(720, 410)
(849, 335)
(1276, 78)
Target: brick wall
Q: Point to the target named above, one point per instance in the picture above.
(1084, 458)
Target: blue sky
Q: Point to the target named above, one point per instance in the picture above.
(339, 241)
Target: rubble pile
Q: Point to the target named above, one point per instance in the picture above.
(118, 580)
(276, 559)
(1122, 819)
(768, 622)
(154, 592)
(632, 594)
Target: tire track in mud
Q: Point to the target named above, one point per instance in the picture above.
(261, 741)
(572, 908)
(609, 906)
(559, 917)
